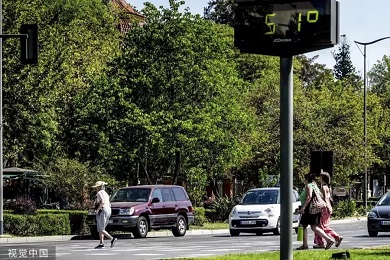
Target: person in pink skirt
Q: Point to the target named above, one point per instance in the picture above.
(325, 215)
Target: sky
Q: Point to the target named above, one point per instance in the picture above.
(360, 20)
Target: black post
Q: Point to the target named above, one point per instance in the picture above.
(286, 156)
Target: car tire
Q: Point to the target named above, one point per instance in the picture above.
(142, 228)
(277, 229)
(94, 233)
(234, 233)
(259, 233)
(373, 233)
(181, 226)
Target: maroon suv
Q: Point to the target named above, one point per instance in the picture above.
(139, 209)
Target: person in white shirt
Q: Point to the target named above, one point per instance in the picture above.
(103, 213)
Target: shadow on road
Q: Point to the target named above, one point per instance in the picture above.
(89, 237)
(249, 234)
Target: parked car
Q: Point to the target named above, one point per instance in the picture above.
(259, 212)
(378, 219)
(139, 209)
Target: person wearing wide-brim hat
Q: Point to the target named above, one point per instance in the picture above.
(103, 213)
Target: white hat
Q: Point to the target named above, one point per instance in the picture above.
(99, 184)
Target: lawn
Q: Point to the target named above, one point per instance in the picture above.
(212, 226)
(356, 254)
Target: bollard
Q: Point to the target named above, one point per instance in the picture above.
(300, 233)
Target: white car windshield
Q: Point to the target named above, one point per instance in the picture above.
(260, 197)
(131, 195)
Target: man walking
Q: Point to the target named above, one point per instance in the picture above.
(103, 213)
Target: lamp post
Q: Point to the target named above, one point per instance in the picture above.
(365, 116)
(1, 122)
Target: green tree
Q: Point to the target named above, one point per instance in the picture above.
(379, 76)
(312, 74)
(76, 39)
(220, 11)
(72, 181)
(344, 69)
(172, 103)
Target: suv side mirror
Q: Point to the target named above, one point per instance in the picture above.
(155, 200)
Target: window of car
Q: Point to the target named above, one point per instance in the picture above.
(157, 194)
(384, 201)
(131, 195)
(167, 195)
(260, 197)
(295, 196)
(179, 194)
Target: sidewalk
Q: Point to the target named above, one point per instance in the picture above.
(7, 239)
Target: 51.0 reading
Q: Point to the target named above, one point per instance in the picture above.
(312, 17)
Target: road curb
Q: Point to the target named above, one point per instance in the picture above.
(190, 232)
(348, 220)
(35, 239)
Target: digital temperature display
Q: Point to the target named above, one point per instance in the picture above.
(285, 27)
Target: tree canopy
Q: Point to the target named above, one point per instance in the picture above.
(174, 101)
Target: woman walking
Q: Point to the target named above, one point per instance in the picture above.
(325, 215)
(311, 219)
(103, 213)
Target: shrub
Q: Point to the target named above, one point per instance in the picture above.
(220, 209)
(76, 219)
(200, 217)
(24, 206)
(36, 225)
(344, 208)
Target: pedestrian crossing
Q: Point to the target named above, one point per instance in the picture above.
(148, 250)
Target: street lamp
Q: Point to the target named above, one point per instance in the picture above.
(365, 117)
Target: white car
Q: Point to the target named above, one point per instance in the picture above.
(259, 212)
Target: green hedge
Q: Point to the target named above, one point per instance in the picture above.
(76, 219)
(200, 217)
(36, 225)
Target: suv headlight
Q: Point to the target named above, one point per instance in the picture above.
(234, 211)
(372, 214)
(129, 211)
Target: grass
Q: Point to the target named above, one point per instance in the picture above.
(356, 254)
(212, 226)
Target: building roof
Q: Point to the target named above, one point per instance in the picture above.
(127, 8)
(124, 23)
(18, 170)
(19, 173)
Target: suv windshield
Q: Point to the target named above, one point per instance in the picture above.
(260, 197)
(131, 195)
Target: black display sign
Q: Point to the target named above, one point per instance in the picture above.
(285, 28)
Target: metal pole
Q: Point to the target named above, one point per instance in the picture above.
(365, 188)
(1, 123)
(365, 133)
(286, 156)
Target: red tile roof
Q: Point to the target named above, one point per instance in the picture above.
(123, 5)
(124, 23)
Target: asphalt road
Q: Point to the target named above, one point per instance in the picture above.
(166, 247)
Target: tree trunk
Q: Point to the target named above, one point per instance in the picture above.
(177, 164)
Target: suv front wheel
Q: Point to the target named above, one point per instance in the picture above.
(181, 226)
(142, 227)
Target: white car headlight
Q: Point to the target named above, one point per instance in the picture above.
(372, 214)
(234, 211)
(129, 211)
(91, 213)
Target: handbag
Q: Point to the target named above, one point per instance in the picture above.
(317, 203)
